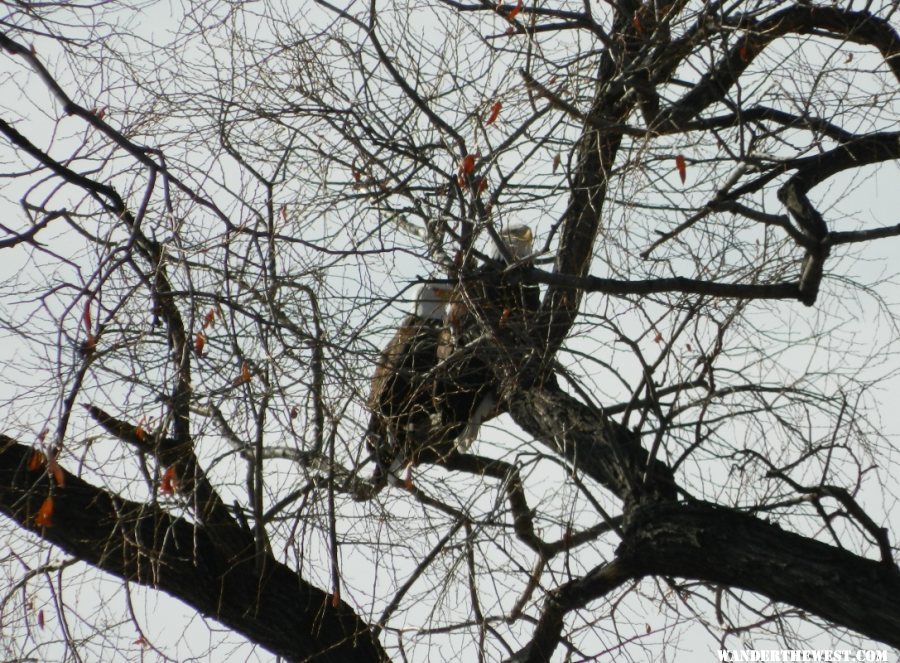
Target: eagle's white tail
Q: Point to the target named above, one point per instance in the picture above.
(479, 414)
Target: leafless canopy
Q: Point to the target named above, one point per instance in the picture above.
(216, 215)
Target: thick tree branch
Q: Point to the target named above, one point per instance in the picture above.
(719, 545)
(811, 171)
(701, 541)
(570, 596)
(784, 290)
(608, 452)
(596, 152)
(859, 27)
(143, 543)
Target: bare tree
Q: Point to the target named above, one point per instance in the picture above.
(215, 221)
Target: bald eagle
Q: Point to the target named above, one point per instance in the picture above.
(492, 294)
(489, 320)
(433, 386)
(523, 299)
(403, 415)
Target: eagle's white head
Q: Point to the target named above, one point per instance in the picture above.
(431, 300)
(519, 240)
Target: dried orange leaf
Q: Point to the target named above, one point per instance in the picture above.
(557, 159)
(86, 317)
(495, 112)
(245, 375)
(44, 515)
(199, 342)
(89, 345)
(36, 460)
(681, 165)
(169, 483)
(139, 432)
(467, 165)
(514, 11)
(210, 317)
(56, 472)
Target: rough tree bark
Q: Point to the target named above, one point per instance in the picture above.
(216, 570)
(222, 568)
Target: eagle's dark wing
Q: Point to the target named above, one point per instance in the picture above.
(464, 391)
(489, 326)
(494, 302)
(401, 400)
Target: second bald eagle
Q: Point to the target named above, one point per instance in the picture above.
(432, 387)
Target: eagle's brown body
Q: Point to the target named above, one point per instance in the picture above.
(435, 383)
(405, 416)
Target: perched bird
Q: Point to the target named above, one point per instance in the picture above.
(519, 242)
(488, 321)
(404, 417)
(434, 384)
(493, 294)
(526, 299)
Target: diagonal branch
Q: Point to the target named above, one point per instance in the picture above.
(860, 27)
(572, 595)
(591, 442)
(718, 545)
(143, 543)
(873, 148)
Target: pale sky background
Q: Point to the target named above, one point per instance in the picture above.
(178, 634)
